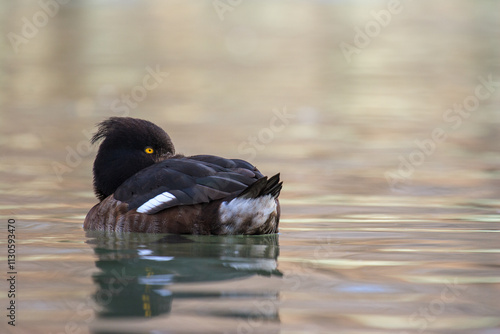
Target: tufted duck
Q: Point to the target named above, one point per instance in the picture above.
(143, 186)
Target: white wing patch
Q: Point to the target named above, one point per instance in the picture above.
(156, 202)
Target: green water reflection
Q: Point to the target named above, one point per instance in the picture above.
(136, 270)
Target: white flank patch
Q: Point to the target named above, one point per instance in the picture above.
(239, 210)
(156, 202)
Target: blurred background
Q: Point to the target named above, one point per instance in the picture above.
(360, 82)
(376, 113)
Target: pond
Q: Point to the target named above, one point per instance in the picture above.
(382, 118)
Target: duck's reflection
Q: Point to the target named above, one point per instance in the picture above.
(136, 269)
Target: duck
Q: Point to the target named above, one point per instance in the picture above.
(143, 186)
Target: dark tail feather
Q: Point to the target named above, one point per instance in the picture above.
(263, 187)
(273, 186)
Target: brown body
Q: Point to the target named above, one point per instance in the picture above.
(113, 215)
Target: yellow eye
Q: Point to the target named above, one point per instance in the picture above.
(149, 150)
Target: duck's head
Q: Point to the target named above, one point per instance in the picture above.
(129, 145)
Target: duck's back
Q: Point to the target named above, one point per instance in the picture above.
(201, 194)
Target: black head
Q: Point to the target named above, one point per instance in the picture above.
(129, 145)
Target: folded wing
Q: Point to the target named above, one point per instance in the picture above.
(186, 181)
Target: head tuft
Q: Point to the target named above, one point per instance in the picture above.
(132, 132)
(124, 151)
